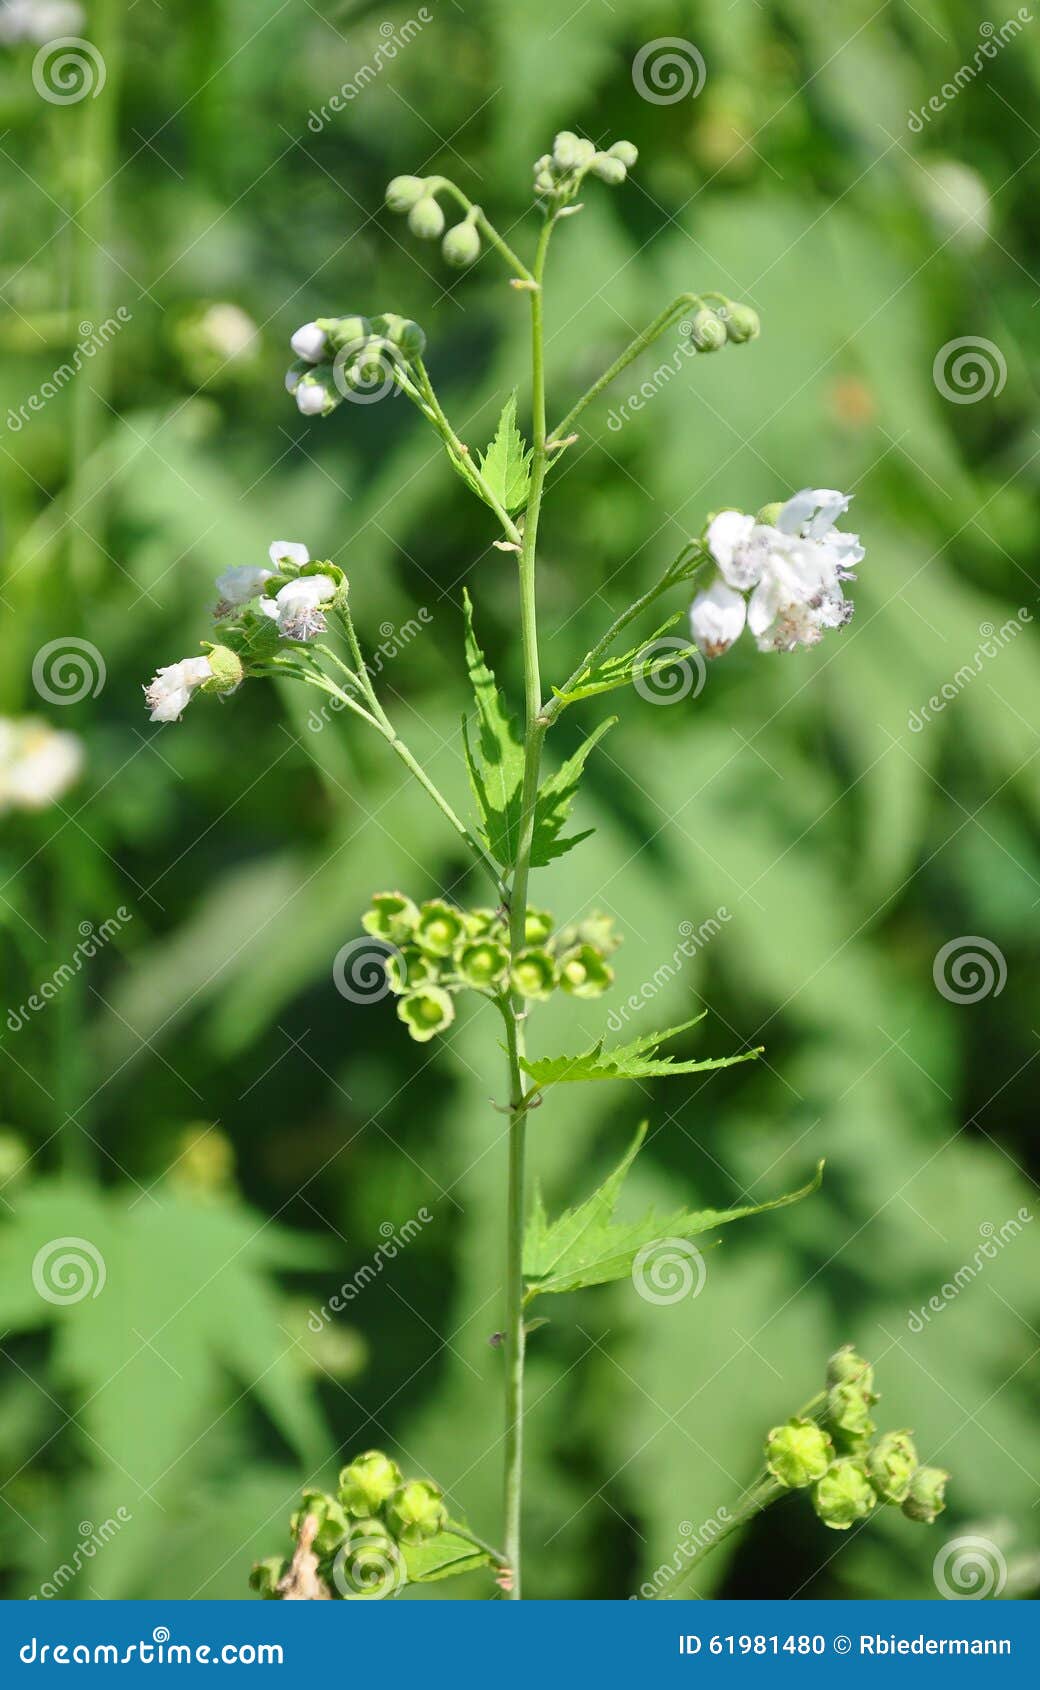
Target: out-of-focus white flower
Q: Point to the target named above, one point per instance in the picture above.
(288, 551)
(297, 607)
(793, 567)
(39, 21)
(228, 330)
(169, 692)
(717, 618)
(309, 342)
(38, 763)
(239, 584)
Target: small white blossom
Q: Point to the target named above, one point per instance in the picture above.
(39, 21)
(37, 763)
(717, 618)
(296, 607)
(288, 551)
(228, 331)
(241, 583)
(310, 397)
(169, 692)
(309, 342)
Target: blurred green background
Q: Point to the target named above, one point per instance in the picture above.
(199, 1102)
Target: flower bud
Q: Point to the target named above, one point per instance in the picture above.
(226, 671)
(482, 922)
(461, 246)
(845, 1366)
(404, 192)
(401, 332)
(409, 968)
(369, 1564)
(798, 1453)
(341, 332)
(595, 929)
(626, 152)
(848, 1411)
(567, 152)
(391, 916)
(926, 1498)
(426, 1012)
(315, 394)
(584, 974)
(767, 516)
(742, 323)
(439, 927)
(483, 962)
(266, 1575)
(609, 169)
(416, 1511)
(534, 974)
(309, 343)
(331, 1518)
(426, 219)
(844, 1494)
(294, 373)
(707, 330)
(892, 1464)
(538, 925)
(367, 1482)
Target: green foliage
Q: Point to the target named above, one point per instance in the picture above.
(637, 1060)
(612, 672)
(587, 1246)
(506, 465)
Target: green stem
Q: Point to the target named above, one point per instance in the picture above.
(535, 726)
(759, 1497)
(460, 453)
(653, 331)
(438, 184)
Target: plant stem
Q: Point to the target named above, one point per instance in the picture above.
(435, 184)
(534, 734)
(760, 1496)
(664, 319)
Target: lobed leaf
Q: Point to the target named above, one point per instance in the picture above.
(496, 768)
(555, 797)
(637, 1060)
(613, 672)
(506, 465)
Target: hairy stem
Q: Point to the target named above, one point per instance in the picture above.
(759, 1497)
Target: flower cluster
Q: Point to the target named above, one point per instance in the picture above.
(438, 950)
(834, 1451)
(38, 763)
(415, 197)
(780, 572)
(558, 175)
(340, 356)
(356, 1535)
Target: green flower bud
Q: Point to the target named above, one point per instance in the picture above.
(844, 1494)
(439, 928)
(341, 332)
(534, 974)
(461, 246)
(227, 670)
(609, 169)
(595, 929)
(392, 917)
(892, 1464)
(426, 219)
(626, 152)
(369, 1564)
(927, 1495)
(585, 153)
(266, 1575)
(365, 1485)
(848, 1411)
(404, 192)
(481, 923)
(544, 181)
(332, 1521)
(798, 1453)
(416, 1511)
(707, 330)
(845, 1366)
(483, 962)
(426, 1012)
(584, 974)
(408, 969)
(768, 515)
(538, 925)
(567, 152)
(315, 393)
(401, 332)
(742, 323)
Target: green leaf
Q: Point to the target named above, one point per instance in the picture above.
(613, 672)
(442, 1556)
(586, 1246)
(637, 1060)
(555, 797)
(496, 768)
(506, 465)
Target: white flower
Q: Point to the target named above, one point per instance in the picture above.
(717, 618)
(241, 583)
(296, 607)
(168, 693)
(288, 551)
(309, 342)
(311, 397)
(228, 331)
(37, 763)
(39, 21)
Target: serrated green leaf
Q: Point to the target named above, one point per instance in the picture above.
(442, 1556)
(585, 1246)
(506, 465)
(613, 672)
(496, 767)
(555, 797)
(638, 1060)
